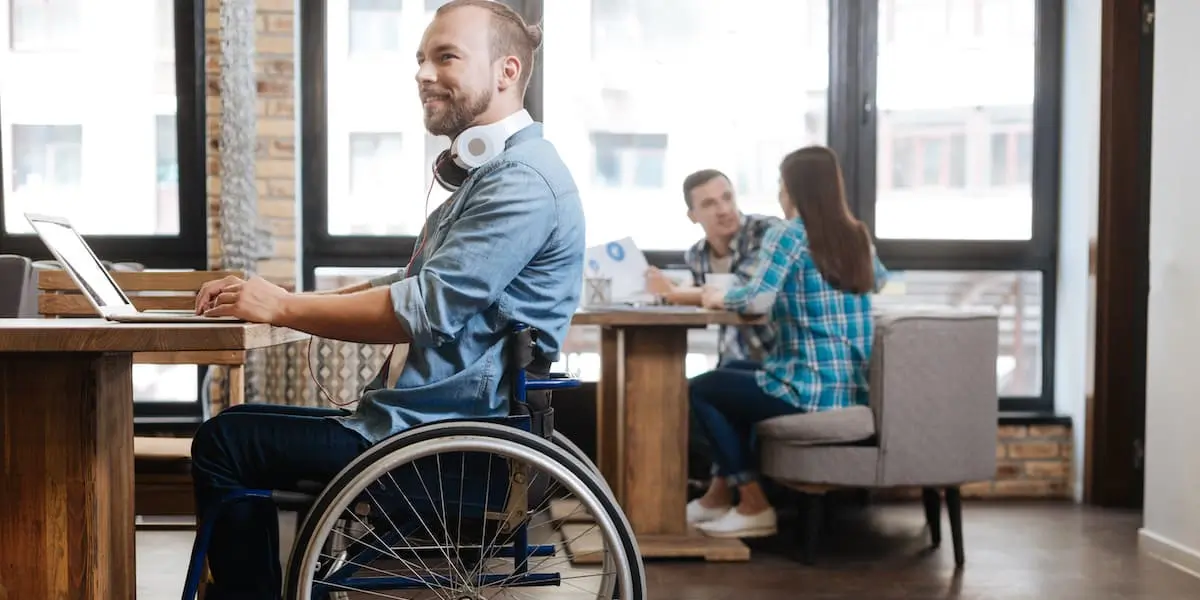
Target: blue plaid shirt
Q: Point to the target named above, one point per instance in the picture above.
(751, 342)
(822, 351)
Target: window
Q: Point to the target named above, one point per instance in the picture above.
(375, 26)
(373, 208)
(1012, 158)
(637, 95)
(66, 144)
(47, 162)
(930, 159)
(945, 119)
(368, 180)
(164, 69)
(44, 25)
(942, 184)
(1015, 296)
(108, 141)
(629, 160)
(166, 168)
(962, 195)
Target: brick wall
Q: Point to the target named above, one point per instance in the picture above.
(275, 64)
(1032, 462)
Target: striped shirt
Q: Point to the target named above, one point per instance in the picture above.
(822, 349)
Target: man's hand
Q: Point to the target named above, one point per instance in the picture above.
(255, 300)
(657, 283)
(207, 296)
(712, 297)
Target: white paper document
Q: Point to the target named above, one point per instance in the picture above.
(621, 262)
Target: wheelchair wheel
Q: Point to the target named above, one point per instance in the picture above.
(466, 511)
(565, 443)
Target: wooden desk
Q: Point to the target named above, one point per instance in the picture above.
(66, 447)
(642, 424)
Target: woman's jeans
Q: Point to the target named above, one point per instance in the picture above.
(260, 446)
(727, 403)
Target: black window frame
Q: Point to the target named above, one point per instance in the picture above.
(852, 133)
(189, 248)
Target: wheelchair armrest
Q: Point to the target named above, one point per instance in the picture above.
(541, 385)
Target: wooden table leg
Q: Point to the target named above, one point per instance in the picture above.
(609, 397)
(66, 476)
(643, 438)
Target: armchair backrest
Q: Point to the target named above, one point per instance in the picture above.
(934, 396)
(18, 293)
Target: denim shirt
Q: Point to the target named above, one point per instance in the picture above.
(506, 248)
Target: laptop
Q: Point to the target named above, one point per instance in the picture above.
(97, 285)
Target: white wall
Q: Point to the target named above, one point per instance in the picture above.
(1172, 502)
(1079, 193)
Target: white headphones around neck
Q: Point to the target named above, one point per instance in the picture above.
(475, 147)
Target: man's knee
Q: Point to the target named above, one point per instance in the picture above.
(207, 442)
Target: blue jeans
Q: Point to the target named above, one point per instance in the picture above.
(260, 446)
(727, 403)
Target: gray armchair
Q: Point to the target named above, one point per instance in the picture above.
(931, 423)
(18, 287)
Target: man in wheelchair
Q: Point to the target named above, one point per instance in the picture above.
(505, 248)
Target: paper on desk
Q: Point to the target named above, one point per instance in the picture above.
(624, 264)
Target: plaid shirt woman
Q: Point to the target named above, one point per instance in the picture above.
(814, 276)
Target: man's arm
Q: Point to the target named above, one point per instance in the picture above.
(365, 317)
(674, 294)
(683, 296)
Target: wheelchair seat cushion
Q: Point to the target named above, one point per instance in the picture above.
(842, 426)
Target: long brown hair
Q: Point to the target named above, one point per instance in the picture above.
(840, 244)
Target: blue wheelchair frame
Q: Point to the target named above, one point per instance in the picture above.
(530, 421)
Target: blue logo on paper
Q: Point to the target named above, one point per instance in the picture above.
(615, 251)
(594, 265)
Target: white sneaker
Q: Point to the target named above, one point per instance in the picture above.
(698, 513)
(734, 524)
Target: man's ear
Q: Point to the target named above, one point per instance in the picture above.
(510, 72)
(691, 216)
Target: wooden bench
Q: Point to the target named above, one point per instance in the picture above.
(162, 464)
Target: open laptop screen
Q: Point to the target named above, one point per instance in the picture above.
(65, 242)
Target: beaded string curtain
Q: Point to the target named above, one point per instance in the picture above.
(243, 242)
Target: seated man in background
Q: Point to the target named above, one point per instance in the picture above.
(507, 247)
(730, 246)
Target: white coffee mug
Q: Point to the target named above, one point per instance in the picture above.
(722, 281)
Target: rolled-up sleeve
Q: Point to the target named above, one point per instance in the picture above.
(509, 216)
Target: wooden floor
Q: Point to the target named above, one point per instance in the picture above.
(1015, 550)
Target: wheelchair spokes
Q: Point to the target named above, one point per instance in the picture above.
(464, 518)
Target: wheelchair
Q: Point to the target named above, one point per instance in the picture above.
(459, 510)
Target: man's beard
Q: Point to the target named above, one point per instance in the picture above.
(457, 114)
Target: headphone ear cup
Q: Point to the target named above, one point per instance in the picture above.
(447, 172)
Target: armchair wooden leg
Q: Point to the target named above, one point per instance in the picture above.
(809, 525)
(933, 514)
(954, 507)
